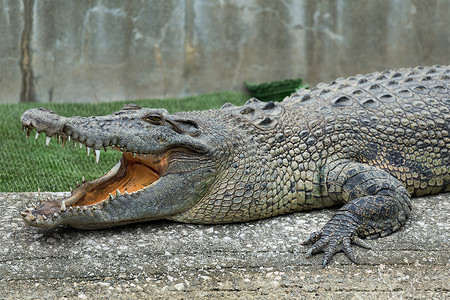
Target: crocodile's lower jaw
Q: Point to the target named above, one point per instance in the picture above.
(131, 175)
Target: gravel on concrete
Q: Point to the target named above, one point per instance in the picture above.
(254, 260)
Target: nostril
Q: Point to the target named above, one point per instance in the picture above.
(131, 106)
(46, 110)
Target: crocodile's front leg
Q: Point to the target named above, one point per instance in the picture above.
(377, 204)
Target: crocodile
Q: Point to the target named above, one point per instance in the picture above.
(366, 144)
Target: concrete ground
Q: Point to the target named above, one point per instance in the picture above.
(257, 260)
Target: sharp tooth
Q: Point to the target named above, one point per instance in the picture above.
(97, 155)
(37, 135)
(88, 150)
(55, 215)
(78, 183)
(44, 217)
(74, 143)
(71, 190)
(63, 205)
(111, 196)
(118, 193)
(24, 214)
(83, 179)
(134, 155)
(29, 209)
(47, 140)
(81, 145)
(68, 138)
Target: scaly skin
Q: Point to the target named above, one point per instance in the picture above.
(365, 143)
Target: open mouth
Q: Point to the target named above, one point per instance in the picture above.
(134, 173)
(131, 174)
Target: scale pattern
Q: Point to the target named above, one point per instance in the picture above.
(388, 126)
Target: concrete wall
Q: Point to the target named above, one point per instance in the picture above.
(94, 50)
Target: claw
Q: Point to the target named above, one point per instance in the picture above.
(317, 247)
(309, 253)
(334, 237)
(329, 252)
(346, 248)
(326, 260)
(360, 242)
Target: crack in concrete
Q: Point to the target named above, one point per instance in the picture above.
(190, 49)
(27, 93)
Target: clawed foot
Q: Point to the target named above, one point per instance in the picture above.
(333, 239)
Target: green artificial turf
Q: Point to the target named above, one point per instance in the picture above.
(28, 165)
(275, 90)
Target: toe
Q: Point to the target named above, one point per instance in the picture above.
(347, 249)
(357, 241)
(314, 237)
(316, 248)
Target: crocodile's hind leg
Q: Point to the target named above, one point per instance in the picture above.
(376, 205)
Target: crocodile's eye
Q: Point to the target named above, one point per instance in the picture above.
(179, 125)
(154, 119)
